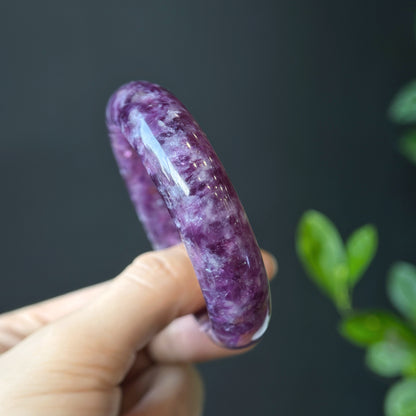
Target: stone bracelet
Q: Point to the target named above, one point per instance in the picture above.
(181, 192)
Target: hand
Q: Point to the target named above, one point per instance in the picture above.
(123, 347)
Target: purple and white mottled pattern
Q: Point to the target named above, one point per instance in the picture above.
(181, 192)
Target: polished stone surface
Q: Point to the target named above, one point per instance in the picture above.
(181, 192)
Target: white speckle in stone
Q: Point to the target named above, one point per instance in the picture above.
(170, 115)
(203, 175)
(232, 308)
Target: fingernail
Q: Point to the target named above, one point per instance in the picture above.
(275, 265)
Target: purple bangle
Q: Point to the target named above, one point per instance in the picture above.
(181, 193)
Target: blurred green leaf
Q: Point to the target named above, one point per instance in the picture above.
(389, 358)
(361, 248)
(407, 146)
(370, 327)
(401, 399)
(401, 287)
(323, 255)
(403, 107)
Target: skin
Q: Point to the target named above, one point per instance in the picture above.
(123, 347)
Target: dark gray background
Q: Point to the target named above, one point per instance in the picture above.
(293, 95)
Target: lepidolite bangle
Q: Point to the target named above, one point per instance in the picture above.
(181, 193)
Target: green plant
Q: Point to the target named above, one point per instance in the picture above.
(335, 267)
(403, 111)
(389, 339)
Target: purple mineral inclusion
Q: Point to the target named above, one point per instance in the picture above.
(181, 193)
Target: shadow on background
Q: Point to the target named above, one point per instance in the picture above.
(293, 97)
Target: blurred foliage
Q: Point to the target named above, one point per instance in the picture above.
(407, 146)
(389, 339)
(401, 288)
(324, 257)
(361, 248)
(391, 358)
(402, 109)
(335, 267)
(401, 399)
(370, 327)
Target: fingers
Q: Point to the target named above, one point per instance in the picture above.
(164, 390)
(181, 342)
(97, 343)
(270, 264)
(55, 308)
(18, 324)
(184, 341)
(154, 290)
(93, 348)
(30, 318)
(121, 316)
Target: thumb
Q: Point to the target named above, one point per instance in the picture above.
(82, 358)
(97, 344)
(156, 288)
